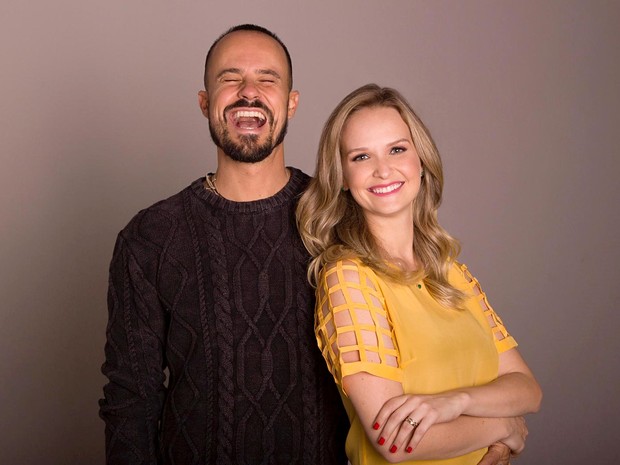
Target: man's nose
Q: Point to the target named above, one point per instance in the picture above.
(248, 90)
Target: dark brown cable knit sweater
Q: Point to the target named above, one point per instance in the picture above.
(215, 292)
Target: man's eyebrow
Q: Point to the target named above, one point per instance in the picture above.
(269, 72)
(228, 70)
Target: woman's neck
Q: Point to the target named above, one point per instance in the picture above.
(395, 239)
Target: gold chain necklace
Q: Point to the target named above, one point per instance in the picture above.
(210, 184)
(210, 179)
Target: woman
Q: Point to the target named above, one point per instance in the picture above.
(425, 367)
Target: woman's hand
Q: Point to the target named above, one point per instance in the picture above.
(403, 420)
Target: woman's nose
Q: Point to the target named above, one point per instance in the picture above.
(382, 168)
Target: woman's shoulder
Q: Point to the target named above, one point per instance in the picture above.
(461, 277)
(346, 271)
(350, 264)
(458, 271)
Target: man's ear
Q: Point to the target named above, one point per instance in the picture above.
(293, 100)
(203, 101)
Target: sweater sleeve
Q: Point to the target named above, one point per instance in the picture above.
(134, 361)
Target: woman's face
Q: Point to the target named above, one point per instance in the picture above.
(380, 164)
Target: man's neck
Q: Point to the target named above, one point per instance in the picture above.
(245, 182)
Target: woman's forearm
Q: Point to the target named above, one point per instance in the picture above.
(509, 395)
(458, 437)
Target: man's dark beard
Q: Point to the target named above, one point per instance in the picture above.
(247, 150)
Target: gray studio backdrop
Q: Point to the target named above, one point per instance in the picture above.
(99, 118)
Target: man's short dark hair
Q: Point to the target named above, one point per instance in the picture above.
(254, 28)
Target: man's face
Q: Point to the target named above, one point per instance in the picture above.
(247, 99)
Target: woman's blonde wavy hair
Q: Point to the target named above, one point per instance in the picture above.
(333, 227)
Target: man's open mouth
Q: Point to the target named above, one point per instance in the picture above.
(248, 119)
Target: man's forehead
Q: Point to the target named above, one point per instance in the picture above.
(248, 48)
(247, 40)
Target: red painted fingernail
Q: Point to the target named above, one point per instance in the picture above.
(409, 449)
(381, 441)
(375, 426)
(393, 449)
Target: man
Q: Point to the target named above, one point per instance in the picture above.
(210, 286)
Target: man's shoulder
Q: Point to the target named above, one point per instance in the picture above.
(298, 172)
(160, 217)
(299, 179)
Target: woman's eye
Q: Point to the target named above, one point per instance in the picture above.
(360, 157)
(398, 149)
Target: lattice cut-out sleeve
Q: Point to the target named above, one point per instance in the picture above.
(353, 328)
(503, 340)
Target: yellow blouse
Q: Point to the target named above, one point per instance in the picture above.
(434, 348)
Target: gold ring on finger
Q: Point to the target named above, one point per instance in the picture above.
(414, 424)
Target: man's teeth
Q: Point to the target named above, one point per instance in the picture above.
(249, 114)
(386, 190)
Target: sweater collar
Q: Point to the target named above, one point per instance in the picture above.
(293, 188)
